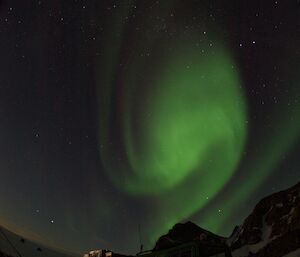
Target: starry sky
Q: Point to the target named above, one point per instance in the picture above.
(116, 114)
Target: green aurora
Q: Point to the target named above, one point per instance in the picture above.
(279, 140)
(173, 129)
(193, 96)
(120, 119)
(183, 130)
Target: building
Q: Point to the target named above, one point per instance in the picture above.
(99, 253)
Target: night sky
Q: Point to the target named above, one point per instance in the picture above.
(120, 113)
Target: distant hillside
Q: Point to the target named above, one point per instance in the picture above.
(25, 248)
(187, 232)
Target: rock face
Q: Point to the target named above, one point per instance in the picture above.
(187, 232)
(272, 229)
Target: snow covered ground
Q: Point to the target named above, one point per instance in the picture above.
(293, 254)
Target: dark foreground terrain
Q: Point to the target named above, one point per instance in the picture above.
(271, 230)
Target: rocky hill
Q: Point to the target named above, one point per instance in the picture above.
(272, 229)
(187, 232)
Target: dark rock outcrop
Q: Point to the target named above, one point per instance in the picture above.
(273, 225)
(187, 232)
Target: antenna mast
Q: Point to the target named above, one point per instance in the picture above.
(140, 237)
